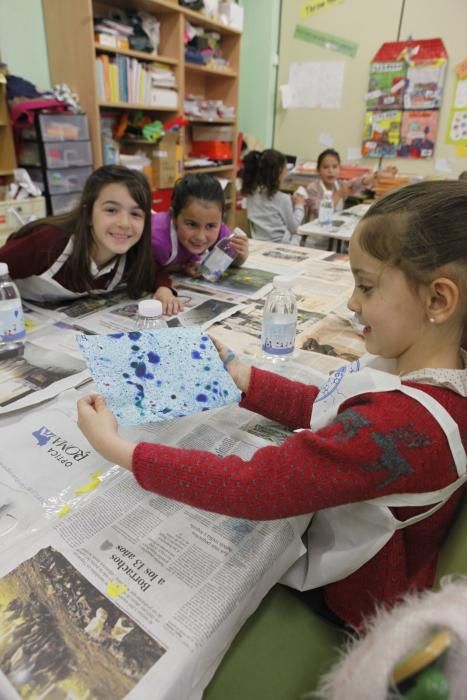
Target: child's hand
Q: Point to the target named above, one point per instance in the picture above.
(242, 247)
(192, 268)
(99, 427)
(298, 199)
(170, 303)
(239, 371)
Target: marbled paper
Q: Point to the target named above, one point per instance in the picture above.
(148, 376)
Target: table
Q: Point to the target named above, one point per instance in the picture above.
(341, 229)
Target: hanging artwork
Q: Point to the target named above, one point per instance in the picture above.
(404, 95)
(148, 376)
(457, 129)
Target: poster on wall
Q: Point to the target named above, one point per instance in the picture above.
(418, 133)
(404, 96)
(381, 137)
(457, 129)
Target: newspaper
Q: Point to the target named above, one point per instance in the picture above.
(157, 590)
(37, 375)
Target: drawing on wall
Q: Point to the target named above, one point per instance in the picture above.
(403, 100)
(457, 127)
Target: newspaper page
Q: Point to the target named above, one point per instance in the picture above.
(37, 375)
(155, 589)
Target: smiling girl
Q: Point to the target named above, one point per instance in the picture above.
(102, 243)
(181, 237)
(380, 455)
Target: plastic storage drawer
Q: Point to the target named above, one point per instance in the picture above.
(63, 127)
(61, 180)
(67, 154)
(63, 203)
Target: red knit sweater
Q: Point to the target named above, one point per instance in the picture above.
(380, 443)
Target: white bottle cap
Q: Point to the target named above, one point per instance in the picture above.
(238, 232)
(283, 282)
(150, 308)
(3, 269)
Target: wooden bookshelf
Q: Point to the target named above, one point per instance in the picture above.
(72, 52)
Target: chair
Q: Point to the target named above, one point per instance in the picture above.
(283, 649)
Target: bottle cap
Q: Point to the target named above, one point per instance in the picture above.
(150, 308)
(283, 282)
(238, 232)
(3, 269)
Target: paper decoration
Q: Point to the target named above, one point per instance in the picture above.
(457, 129)
(406, 77)
(418, 132)
(148, 376)
(326, 41)
(316, 84)
(381, 136)
(386, 86)
(312, 7)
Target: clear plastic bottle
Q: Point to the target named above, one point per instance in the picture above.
(12, 334)
(220, 258)
(326, 209)
(150, 315)
(279, 321)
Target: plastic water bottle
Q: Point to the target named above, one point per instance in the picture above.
(150, 315)
(221, 256)
(326, 209)
(279, 321)
(12, 334)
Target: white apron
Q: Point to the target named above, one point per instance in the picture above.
(44, 288)
(343, 538)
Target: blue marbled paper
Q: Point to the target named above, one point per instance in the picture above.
(148, 376)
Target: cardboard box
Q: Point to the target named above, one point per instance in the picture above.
(166, 159)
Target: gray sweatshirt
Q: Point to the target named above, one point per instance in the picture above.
(274, 219)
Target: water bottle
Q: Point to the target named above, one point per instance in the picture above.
(221, 256)
(150, 315)
(279, 321)
(326, 209)
(12, 334)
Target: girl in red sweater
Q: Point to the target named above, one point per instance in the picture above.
(380, 459)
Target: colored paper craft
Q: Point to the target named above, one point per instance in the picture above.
(418, 134)
(149, 376)
(382, 134)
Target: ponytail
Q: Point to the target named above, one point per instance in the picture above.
(262, 170)
(250, 172)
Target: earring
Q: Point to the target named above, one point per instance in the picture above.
(432, 320)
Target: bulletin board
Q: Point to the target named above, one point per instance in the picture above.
(351, 32)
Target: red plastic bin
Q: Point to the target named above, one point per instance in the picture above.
(217, 150)
(161, 199)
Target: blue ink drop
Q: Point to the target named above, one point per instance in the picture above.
(195, 355)
(134, 335)
(154, 358)
(116, 335)
(202, 398)
(140, 370)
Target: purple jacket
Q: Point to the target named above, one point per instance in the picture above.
(166, 248)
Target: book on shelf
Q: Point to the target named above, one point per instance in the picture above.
(124, 79)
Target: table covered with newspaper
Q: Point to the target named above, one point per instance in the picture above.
(110, 591)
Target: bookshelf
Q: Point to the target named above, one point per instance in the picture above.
(72, 53)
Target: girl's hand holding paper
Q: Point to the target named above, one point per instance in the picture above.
(158, 375)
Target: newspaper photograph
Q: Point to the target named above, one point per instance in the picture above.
(244, 281)
(333, 336)
(37, 375)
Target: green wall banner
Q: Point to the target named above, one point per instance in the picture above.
(326, 41)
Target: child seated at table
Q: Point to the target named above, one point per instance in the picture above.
(182, 236)
(273, 215)
(328, 167)
(380, 455)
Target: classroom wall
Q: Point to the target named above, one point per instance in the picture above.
(369, 24)
(22, 40)
(258, 68)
